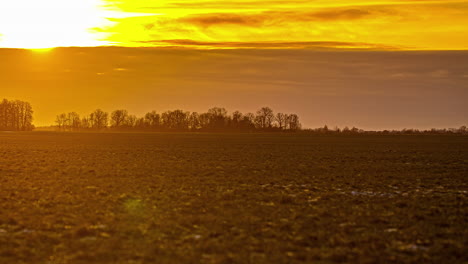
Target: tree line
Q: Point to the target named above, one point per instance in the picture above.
(215, 119)
(463, 130)
(16, 115)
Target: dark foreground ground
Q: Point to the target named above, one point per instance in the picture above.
(232, 198)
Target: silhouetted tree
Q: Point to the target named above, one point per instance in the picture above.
(218, 118)
(204, 121)
(130, 121)
(236, 117)
(248, 121)
(175, 120)
(463, 129)
(325, 129)
(99, 119)
(264, 118)
(294, 123)
(24, 115)
(74, 121)
(194, 121)
(235, 121)
(118, 118)
(280, 118)
(141, 123)
(153, 120)
(85, 123)
(61, 121)
(16, 115)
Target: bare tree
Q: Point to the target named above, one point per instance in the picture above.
(281, 120)
(141, 123)
(118, 118)
(237, 116)
(24, 115)
(74, 121)
(86, 123)
(153, 119)
(16, 115)
(294, 123)
(264, 118)
(218, 118)
(194, 121)
(236, 120)
(99, 119)
(61, 121)
(204, 121)
(130, 121)
(176, 120)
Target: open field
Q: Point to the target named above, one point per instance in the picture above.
(232, 198)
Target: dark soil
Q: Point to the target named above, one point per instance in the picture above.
(232, 198)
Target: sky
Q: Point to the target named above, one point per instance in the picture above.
(378, 24)
(371, 63)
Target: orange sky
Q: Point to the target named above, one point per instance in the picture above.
(376, 24)
(369, 89)
(371, 63)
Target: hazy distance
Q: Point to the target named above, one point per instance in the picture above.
(367, 89)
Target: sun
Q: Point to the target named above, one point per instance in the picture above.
(44, 24)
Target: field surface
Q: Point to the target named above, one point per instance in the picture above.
(232, 198)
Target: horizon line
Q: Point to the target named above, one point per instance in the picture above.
(248, 47)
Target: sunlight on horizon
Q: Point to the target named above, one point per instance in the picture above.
(45, 24)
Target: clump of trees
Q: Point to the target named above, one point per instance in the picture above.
(434, 131)
(336, 130)
(215, 119)
(463, 130)
(16, 115)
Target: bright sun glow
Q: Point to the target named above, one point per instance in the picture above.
(408, 24)
(42, 24)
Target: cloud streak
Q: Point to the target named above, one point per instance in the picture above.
(273, 45)
(396, 23)
(274, 17)
(220, 19)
